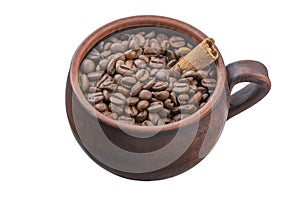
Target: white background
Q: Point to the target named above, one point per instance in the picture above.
(257, 156)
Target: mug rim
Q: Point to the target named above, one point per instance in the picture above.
(135, 22)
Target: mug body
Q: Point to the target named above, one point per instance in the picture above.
(138, 152)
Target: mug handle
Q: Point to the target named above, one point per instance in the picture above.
(247, 71)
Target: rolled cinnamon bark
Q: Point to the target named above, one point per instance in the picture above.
(200, 57)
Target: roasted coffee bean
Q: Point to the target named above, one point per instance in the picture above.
(183, 51)
(124, 70)
(111, 67)
(93, 76)
(94, 89)
(87, 66)
(141, 116)
(116, 109)
(140, 39)
(102, 107)
(145, 95)
(176, 71)
(130, 54)
(147, 123)
(130, 111)
(136, 89)
(154, 44)
(142, 75)
(106, 94)
(105, 54)
(140, 63)
(168, 104)
(142, 105)
(177, 42)
(159, 86)
(163, 113)
(109, 85)
(85, 84)
(204, 97)
(173, 98)
(117, 48)
(150, 51)
(149, 84)
(164, 45)
(190, 73)
(157, 63)
(133, 42)
(110, 115)
(181, 87)
(131, 101)
(114, 39)
(202, 74)
(183, 98)
(162, 75)
(153, 117)
(171, 63)
(128, 81)
(196, 98)
(126, 120)
(175, 110)
(155, 106)
(209, 82)
(153, 72)
(161, 37)
(144, 58)
(123, 90)
(103, 64)
(150, 35)
(189, 108)
(117, 98)
(94, 55)
(117, 78)
(162, 95)
(95, 98)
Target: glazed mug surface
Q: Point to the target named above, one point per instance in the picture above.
(158, 152)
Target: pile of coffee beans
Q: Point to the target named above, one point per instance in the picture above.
(133, 77)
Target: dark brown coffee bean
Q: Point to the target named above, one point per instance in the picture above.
(106, 94)
(153, 117)
(117, 48)
(130, 111)
(204, 97)
(111, 67)
(159, 86)
(144, 58)
(196, 98)
(149, 51)
(95, 98)
(149, 84)
(209, 82)
(142, 105)
(162, 75)
(94, 89)
(176, 41)
(136, 89)
(116, 109)
(175, 70)
(162, 95)
(128, 81)
(123, 90)
(175, 110)
(201, 89)
(141, 116)
(153, 72)
(168, 104)
(171, 63)
(87, 66)
(142, 75)
(102, 107)
(124, 70)
(131, 101)
(181, 88)
(150, 35)
(140, 63)
(109, 85)
(183, 98)
(157, 63)
(173, 98)
(189, 73)
(117, 78)
(145, 95)
(117, 98)
(94, 76)
(94, 55)
(180, 117)
(130, 54)
(126, 120)
(161, 37)
(105, 54)
(147, 123)
(103, 64)
(190, 108)
(155, 107)
(84, 81)
(111, 115)
(164, 45)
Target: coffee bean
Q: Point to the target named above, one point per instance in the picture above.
(94, 89)
(85, 84)
(95, 98)
(117, 48)
(159, 86)
(128, 81)
(102, 107)
(133, 42)
(209, 82)
(154, 43)
(171, 63)
(126, 120)
(155, 106)
(142, 105)
(183, 51)
(164, 45)
(189, 73)
(149, 84)
(181, 87)
(111, 67)
(140, 39)
(114, 39)
(153, 117)
(180, 117)
(189, 108)
(140, 63)
(157, 63)
(162, 75)
(147, 123)
(163, 113)
(202, 74)
(131, 101)
(204, 97)
(87, 66)
(196, 98)
(117, 98)
(106, 94)
(177, 42)
(150, 35)
(93, 76)
(109, 85)
(168, 104)
(94, 55)
(144, 58)
(116, 109)
(145, 95)
(161, 37)
(111, 115)
(105, 54)
(117, 78)
(123, 90)
(130, 111)
(124, 70)
(136, 89)
(150, 51)
(103, 64)
(141, 116)
(142, 75)
(173, 98)
(130, 54)
(176, 71)
(183, 98)
(162, 95)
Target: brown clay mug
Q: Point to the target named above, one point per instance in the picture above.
(158, 152)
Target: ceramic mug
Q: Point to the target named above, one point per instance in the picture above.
(158, 152)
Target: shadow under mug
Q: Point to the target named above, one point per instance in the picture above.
(158, 152)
